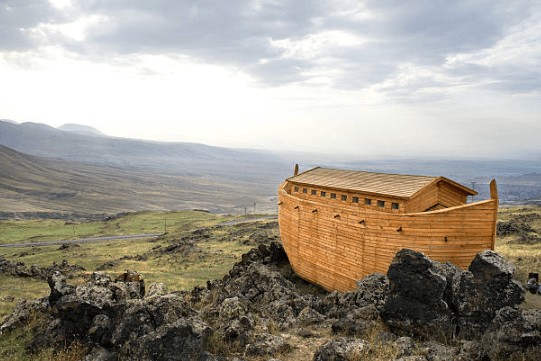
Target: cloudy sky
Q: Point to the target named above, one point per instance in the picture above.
(369, 78)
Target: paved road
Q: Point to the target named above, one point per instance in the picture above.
(82, 240)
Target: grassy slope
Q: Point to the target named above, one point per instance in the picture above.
(29, 184)
(213, 258)
(525, 257)
(20, 231)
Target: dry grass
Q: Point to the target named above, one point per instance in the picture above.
(213, 258)
(525, 257)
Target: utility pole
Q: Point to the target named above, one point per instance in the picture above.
(254, 207)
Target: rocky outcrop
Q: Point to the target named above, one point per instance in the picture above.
(341, 349)
(22, 312)
(19, 269)
(514, 332)
(251, 311)
(430, 300)
(418, 303)
(480, 292)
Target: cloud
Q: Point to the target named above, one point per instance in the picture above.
(342, 44)
(331, 70)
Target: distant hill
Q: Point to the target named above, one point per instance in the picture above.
(81, 129)
(171, 158)
(35, 184)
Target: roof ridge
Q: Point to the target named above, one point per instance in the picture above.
(390, 184)
(366, 171)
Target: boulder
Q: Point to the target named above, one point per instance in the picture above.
(267, 345)
(416, 304)
(514, 333)
(342, 349)
(156, 289)
(183, 340)
(435, 301)
(144, 316)
(100, 354)
(480, 292)
(371, 290)
(22, 312)
(361, 322)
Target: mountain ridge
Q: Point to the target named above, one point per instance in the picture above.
(42, 140)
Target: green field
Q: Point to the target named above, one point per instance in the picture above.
(21, 231)
(208, 257)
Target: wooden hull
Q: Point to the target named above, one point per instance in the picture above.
(335, 246)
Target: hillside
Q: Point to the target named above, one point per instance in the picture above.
(36, 184)
(81, 129)
(171, 158)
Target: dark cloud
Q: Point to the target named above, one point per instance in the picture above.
(241, 33)
(17, 17)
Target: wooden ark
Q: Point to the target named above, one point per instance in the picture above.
(337, 226)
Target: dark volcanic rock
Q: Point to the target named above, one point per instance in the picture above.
(267, 345)
(478, 293)
(18, 269)
(341, 349)
(100, 354)
(518, 225)
(182, 340)
(263, 289)
(143, 316)
(357, 312)
(22, 313)
(435, 301)
(514, 333)
(415, 305)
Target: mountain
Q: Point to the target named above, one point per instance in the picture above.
(36, 184)
(8, 121)
(171, 158)
(81, 129)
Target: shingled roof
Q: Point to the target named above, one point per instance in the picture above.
(394, 185)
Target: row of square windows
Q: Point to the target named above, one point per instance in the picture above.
(367, 201)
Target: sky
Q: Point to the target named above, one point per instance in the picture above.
(363, 79)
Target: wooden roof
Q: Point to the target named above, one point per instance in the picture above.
(394, 185)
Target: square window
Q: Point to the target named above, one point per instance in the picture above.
(381, 204)
(344, 197)
(313, 192)
(367, 201)
(296, 189)
(323, 193)
(333, 195)
(305, 190)
(355, 199)
(395, 206)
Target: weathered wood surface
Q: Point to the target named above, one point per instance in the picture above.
(334, 244)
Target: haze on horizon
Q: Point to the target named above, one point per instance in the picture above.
(372, 78)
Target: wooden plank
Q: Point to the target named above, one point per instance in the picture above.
(335, 252)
